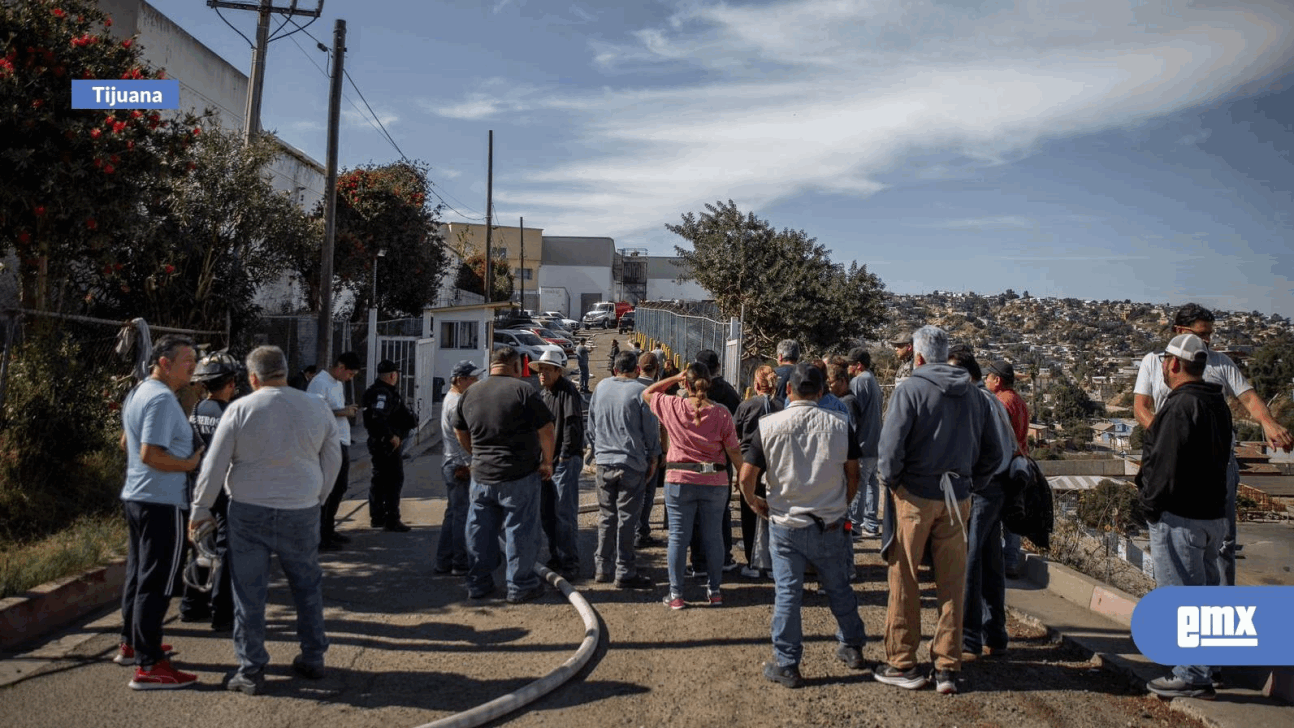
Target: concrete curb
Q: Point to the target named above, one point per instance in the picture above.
(1080, 589)
(59, 603)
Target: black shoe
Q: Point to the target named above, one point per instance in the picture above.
(851, 656)
(1012, 573)
(527, 595)
(696, 572)
(339, 537)
(397, 526)
(644, 542)
(638, 581)
(330, 546)
(306, 670)
(222, 626)
(195, 616)
(788, 676)
(1218, 680)
(945, 681)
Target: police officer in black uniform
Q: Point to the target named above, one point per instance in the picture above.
(218, 375)
(388, 423)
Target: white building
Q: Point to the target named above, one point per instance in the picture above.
(207, 81)
(582, 266)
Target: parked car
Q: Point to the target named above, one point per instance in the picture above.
(524, 342)
(512, 319)
(626, 322)
(567, 346)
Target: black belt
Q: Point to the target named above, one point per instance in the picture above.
(704, 468)
(822, 525)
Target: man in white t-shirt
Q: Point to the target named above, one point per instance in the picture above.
(1151, 390)
(328, 385)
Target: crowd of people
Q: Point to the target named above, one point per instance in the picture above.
(820, 469)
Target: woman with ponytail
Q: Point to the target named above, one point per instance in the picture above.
(696, 479)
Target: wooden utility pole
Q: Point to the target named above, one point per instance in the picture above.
(521, 230)
(489, 211)
(323, 352)
(256, 81)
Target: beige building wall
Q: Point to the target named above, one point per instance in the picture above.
(468, 238)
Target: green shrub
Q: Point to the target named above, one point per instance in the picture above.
(59, 455)
(1111, 504)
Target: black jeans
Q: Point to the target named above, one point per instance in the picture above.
(750, 519)
(656, 484)
(153, 562)
(388, 482)
(328, 514)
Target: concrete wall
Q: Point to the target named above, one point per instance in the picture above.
(577, 280)
(659, 289)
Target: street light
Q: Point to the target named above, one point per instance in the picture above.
(381, 253)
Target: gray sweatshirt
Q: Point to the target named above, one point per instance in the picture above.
(867, 393)
(937, 423)
(274, 448)
(621, 428)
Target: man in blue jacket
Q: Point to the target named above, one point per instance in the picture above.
(938, 434)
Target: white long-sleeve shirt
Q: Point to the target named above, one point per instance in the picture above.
(274, 448)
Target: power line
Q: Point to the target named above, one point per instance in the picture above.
(382, 130)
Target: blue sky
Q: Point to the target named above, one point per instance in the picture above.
(1088, 148)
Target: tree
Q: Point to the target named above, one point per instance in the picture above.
(221, 233)
(783, 281)
(1271, 368)
(78, 185)
(471, 277)
(1071, 403)
(383, 208)
(1136, 438)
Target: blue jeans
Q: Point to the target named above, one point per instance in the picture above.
(1227, 551)
(451, 549)
(256, 532)
(559, 513)
(620, 495)
(863, 509)
(1185, 553)
(584, 376)
(513, 508)
(688, 504)
(1011, 556)
(791, 549)
(984, 607)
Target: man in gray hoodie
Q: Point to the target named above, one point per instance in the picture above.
(938, 434)
(625, 436)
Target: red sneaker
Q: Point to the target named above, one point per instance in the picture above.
(716, 599)
(162, 677)
(126, 654)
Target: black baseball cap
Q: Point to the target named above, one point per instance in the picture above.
(386, 366)
(807, 380)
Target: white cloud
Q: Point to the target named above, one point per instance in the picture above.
(828, 95)
(979, 224)
(350, 117)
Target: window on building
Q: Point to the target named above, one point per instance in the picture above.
(524, 274)
(459, 335)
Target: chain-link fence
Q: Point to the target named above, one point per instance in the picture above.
(681, 335)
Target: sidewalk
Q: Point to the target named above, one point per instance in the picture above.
(1241, 704)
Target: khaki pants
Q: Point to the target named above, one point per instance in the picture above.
(917, 519)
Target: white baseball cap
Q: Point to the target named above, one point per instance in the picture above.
(1187, 346)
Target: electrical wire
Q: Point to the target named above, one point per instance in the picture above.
(300, 28)
(382, 130)
(250, 44)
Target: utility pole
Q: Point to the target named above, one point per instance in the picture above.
(323, 352)
(521, 231)
(489, 211)
(256, 82)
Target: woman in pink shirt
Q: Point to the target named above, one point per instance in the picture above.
(701, 436)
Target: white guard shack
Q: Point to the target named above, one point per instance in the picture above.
(449, 335)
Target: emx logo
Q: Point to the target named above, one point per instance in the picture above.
(1216, 625)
